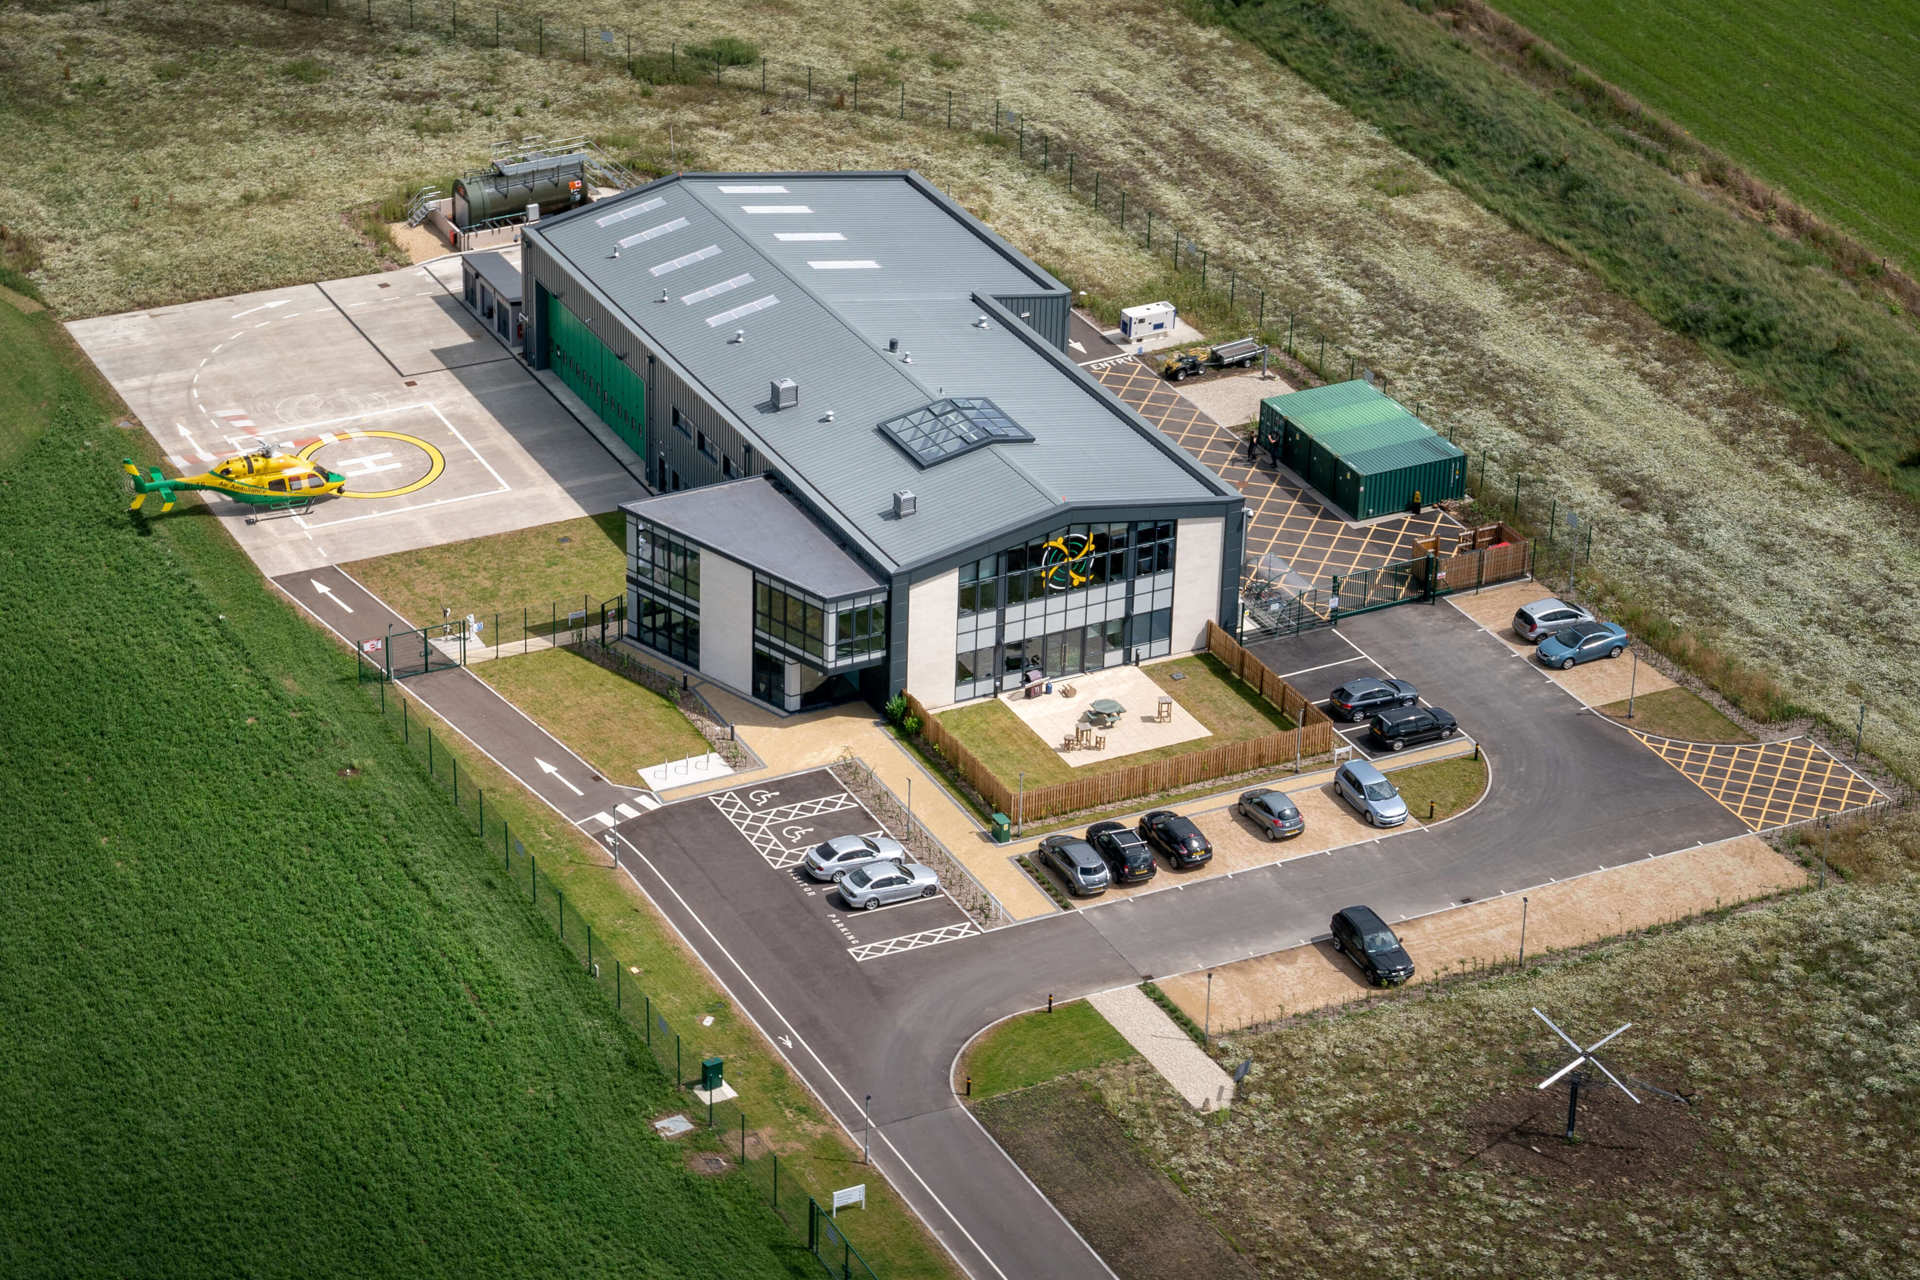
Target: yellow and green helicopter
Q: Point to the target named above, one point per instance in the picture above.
(261, 478)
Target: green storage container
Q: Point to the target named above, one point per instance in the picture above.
(710, 1074)
(1362, 450)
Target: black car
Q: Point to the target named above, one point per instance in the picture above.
(1277, 816)
(1402, 727)
(1127, 855)
(1083, 869)
(1365, 939)
(1176, 837)
(1363, 695)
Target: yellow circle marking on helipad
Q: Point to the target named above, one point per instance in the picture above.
(437, 461)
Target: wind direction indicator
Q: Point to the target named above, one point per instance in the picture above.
(1575, 1072)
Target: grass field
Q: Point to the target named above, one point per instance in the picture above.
(1451, 785)
(1411, 1133)
(542, 569)
(1676, 713)
(615, 724)
(265, 1012)
(1033, 1047)
(1817, 99)
(1229, 709)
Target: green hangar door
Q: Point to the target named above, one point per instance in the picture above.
(597, 376)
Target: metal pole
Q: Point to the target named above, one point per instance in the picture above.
(866, 1131)
(1633, 680)
(949, 108)
(1206, 1029)
(1573, 1102)
(1523, 932)
(1859, 727)
(429, 746)
(406, 727)
(1020, 806)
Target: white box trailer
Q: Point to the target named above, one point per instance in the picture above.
(1147, 319)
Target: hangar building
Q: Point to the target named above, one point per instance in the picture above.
(877, 467)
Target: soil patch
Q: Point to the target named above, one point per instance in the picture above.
(1078, 1155)
(1652, 1145)
(708, 1164)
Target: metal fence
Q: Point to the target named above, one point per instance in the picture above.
(721, 1128)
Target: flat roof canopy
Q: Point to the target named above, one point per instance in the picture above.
(751, 521)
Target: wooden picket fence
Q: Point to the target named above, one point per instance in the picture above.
(1311, 737)
(1492, 553)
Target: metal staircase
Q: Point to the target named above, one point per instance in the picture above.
(420, 208)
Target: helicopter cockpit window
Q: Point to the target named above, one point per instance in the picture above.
(277, 486)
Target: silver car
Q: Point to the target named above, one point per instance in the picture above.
(884, 883)
(1371, 795)
(836, 857)
(1535, 622)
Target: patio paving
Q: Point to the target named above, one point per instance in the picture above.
(1053, 716)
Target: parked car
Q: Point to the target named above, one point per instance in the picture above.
(836, 857)
(1402, 727)
(1361, 696)
(1582, 642)
(1371, 795)
(1128, 857)
(1535, 622)
(1277, 816)
(1176, 837)
(880, 884)
(1078, 863)
(1365, 939)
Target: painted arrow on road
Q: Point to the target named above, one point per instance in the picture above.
(327, 591)
(1076, 346)
(786, 1042)
(547, 768)
(265, 306)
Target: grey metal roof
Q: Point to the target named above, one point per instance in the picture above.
(752, 522)
(498, 270)
(749, 254)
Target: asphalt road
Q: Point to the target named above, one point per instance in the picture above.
(1570, 794)
(876, 1038)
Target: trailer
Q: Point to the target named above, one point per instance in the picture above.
(1238, 354)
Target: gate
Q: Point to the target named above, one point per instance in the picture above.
(1381, 587)
(1286, 605)
(401, 655)
(834, 1251)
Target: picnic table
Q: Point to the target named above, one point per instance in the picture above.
(1105, 712)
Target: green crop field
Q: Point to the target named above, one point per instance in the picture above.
(1817, 99)
(265, 1011)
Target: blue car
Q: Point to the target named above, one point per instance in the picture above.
(1582, 642)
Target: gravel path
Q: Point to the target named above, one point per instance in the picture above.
(1172, 1052)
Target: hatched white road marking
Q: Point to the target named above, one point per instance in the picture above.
(626, 811)
(913, 941)
(604, 818)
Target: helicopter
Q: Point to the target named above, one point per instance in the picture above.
(260, 478)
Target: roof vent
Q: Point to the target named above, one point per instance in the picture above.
(739, 335)
(980, 322)
(786, 393)
(904, 503)
(893, 344)
(906, 357)
(614, 254)
(662, 297)
(827, 416)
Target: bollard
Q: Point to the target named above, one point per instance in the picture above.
(1049, 1002)
(1430, 806)
(969, 1086)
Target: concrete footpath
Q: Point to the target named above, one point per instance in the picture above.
(1146, 1026)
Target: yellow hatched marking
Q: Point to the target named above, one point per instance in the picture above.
(1767, 784)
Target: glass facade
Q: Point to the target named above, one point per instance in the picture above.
(826, 635)
(663, 591)
(1086, 597)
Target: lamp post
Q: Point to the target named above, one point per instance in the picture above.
(866, 1131)
(1206, 1030)
(1020, 806)
(1633, 680)
(1523, 932)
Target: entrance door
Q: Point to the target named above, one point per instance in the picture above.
(769, 679)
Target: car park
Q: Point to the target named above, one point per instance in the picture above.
(1582, 642)
(1403, 727)
(1273, 812)
(1129, 858)
(1078, 863)
(1535, 622)
(834, 858)
(1361, 696)
(1367, 790)
(1176, 837)
(880, 884)
(1364, 938)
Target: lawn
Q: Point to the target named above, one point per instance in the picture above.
(266, 1011)
(1410, 1133)
(615, 724)
(1813, 98)
(1033, 1047)
(546, 571)
(1230, 710)
(1676, 713)
(1451, 785)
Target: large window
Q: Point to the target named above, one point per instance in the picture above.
(663, 591)
(825, 634)
(665, 626)
(1085, 597)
